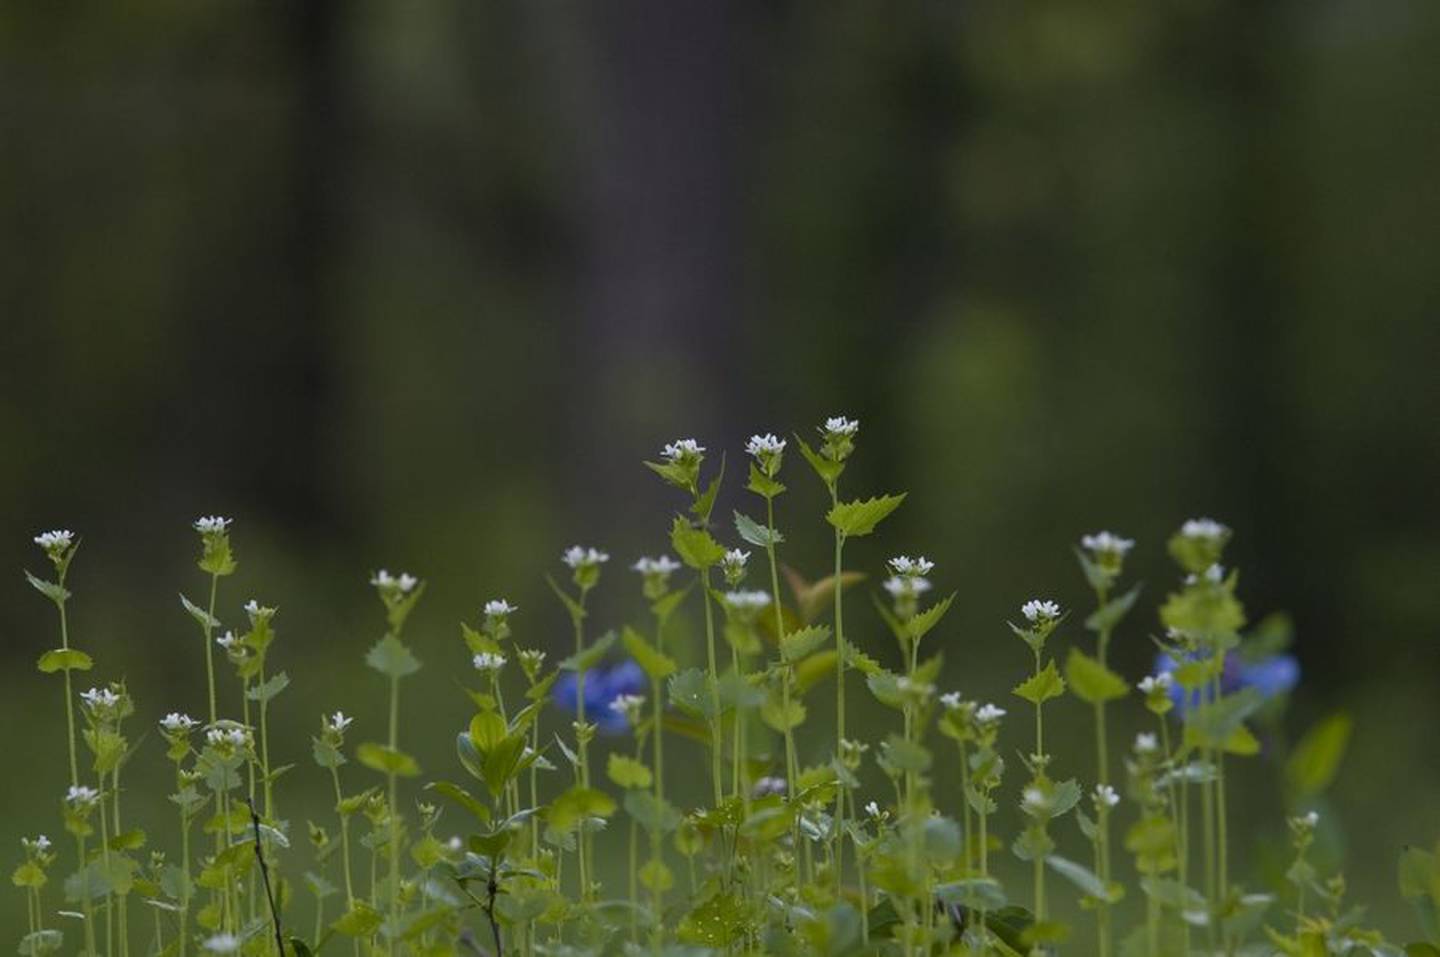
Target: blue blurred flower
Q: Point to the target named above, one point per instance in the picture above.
(602, 686)
(1272, 676)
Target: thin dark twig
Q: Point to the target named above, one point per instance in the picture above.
(265, 877)
(492, 887)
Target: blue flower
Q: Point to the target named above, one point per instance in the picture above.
(1272, 676)
(602, 686)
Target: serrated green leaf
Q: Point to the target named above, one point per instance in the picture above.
(592, 654)
(829, 471)
(755, 533)
(650, 815)
(1042, 686)
(800, 644)
(578, 804)
(361, 920)
(626, 772)
(461, 797)
(695, 546)
(202, 616)
(271, 687)
(774, 713)
(49, 589)
(860, 517)
(391, 658)
(1112, 612)
(919, 626)
(690, 692)
(1091, 681)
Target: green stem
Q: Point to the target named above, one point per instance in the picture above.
(87, 907)
(69, 700)
(394, 810)
(716, 734)
(209, 631)
(839, 852)
(185, 871)
(582, 842)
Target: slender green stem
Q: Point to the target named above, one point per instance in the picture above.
(839, 851)
(209, 631)
(582, 841)
(394, 841)
(69, 699)
(1102, 912)
(86, 905)
(185, 872)
(716, 733)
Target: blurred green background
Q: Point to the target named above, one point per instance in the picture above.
(419, 285)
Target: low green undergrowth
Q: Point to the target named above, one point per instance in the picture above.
(783, 858)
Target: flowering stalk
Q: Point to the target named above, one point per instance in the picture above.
(585, 567)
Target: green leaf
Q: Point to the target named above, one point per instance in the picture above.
(626, 772)
(387, 760)
(270, 688)
(205, 619)
(860, 517)
(775, 714)
(650, 815)
(391, 658)
(49, 589)
(1105, 618)
(461, 797)
(704, 503)
(361, 920)
(975, 893)
(576, 610)
(1042, 686)
(577, 805)
(690, 692)
(800, 644)
(1316, 759)
(655, 663)
(1214, 723)
(828, 470)
(917, 627)
(695, 546)
(64, 659)
(762, 484)
(487, 730)
(591, 655)
(755, 533)
(1091, 681)
(1079, 875)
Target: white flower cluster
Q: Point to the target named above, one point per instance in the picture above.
(499, 608)
(1107, 543)
(951, 700)
(100, 699)
(1105, 796)
(80, 796)
(55, 541)
(177, 723)
(403, 583)
(577, 557)
(1157, 683)
(489, 661)
(1204, 528)
(682, 450)
(1033, 800)
(227, 641)
(873, 810)
(223, 944)
(235, 737)
(663, 566)
(905, 565)
(1145, 743)
(839, 425)
(628, 705)
(762, 446)
(747, 600)
(38, 845)
(336, 722)
(1037, 611)
(989, 714)
(211, 524)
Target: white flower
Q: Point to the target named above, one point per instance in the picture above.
(736, 558)
(682, 449)
(499, 608)
(252, 607)
(227, 640)
(839, 425)
(337, 722)
(1105, 796)
(576, 557)
(664, 565)
(1204, 528)
(233, 736)
(175, 722)
(81, 796)
(1036, 610)
(907, 685)
(905, 565)
(56, 541)
(41, 843)
(873, 809)
(223, 944)
(1032, 799)
(100, 698)
(1215, 574)
(488, 661)
(1145, 743)
(403, 583)
(768, 785)
(989, 713)
(533, 656)
(1107, 543)
(1157, 683)
(211, 524)
(628, 705)
(764, 445)
(1310, 819)
(906, 586)
(747, 600)
(951, 700)
(455, 843)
